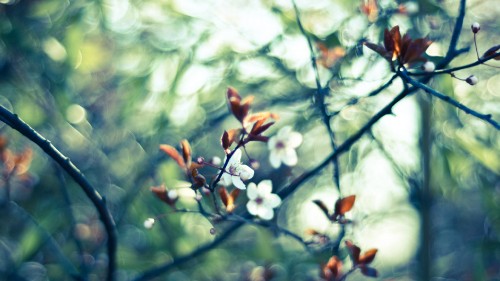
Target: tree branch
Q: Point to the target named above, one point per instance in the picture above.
(99, 202)
(429, 90)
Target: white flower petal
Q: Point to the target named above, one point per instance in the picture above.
(294, 140)
(238, 182)
(265, 213)
(290, 158)
(225, 179)
(271, 143)
(265, 187)
(245, 172)
(284, 132)
(236, 158)
(252, 191)
(252, 207)
(275, 159)
(272, 201)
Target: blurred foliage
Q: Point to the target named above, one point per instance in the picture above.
(108, 81)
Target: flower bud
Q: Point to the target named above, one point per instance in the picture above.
(475, 27)
(428, 66)
(149, 223)
(472, 80)
(200, 160)
(254, 164)
(216, 161)
(173, 195)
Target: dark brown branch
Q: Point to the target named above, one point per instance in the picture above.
(99, 202)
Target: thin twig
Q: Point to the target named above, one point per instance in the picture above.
(16, 123)
(451, 70)
(429, 90)
(320, 99)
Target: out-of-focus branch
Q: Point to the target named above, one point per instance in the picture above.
(320, 97)
(49, 240)
(157, 271)
(99, 202)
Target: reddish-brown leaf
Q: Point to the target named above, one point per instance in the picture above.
(379, 49)
(493, 51)
(415, 49)
(174, 154)
(186, 152)
(161, 193)
(198, 179)
(311, 231)
(261, 116)
(258, 138)
(368, 256)
(224, 140)
(257, 130)
(322, 206)
(224, 196)
(335, 265)
(370, 9)
(354, 251)
(344, 205)
(232, 95)
(235, 193)
(396, 38)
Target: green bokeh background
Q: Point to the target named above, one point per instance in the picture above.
(108, 81)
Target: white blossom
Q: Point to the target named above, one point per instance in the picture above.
(262, 200)
(282, 147)
(236, 172)
(148, 223)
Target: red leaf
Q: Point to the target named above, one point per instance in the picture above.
(335, 265)
(261, 116)
(379, 49)
(343, 205)
(322, 206)
(199, 179)
(492, 52)
(174, 154)
(261, 129)
(235, 193)
(232, 95)
(224, 196)
(225, 142)
(368, 256)
(354, 251)
(162, 193)
(186, 152)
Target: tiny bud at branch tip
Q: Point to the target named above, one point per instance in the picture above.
(475, 27)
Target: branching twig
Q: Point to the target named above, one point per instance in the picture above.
(429, 90)
(99, 202)
(451, 70)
